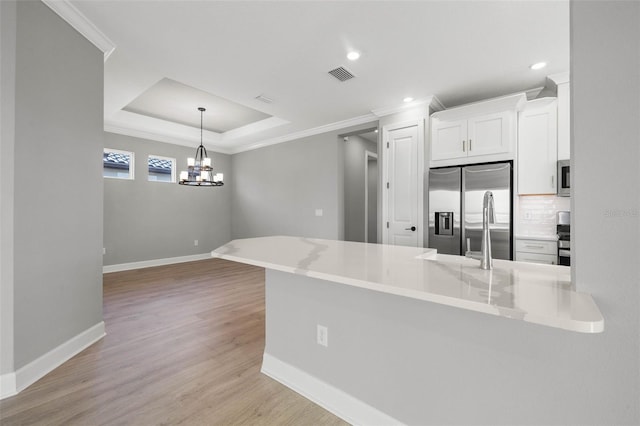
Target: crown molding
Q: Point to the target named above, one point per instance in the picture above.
(252, 128)
(435, 104)
(533, 93)
(120, 128)
(430, 101)
(367, 118)
(514, 102)
(158, 137)
(82, 24)
(560, 78)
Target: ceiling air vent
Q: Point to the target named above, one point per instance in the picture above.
(264, 99)
(342, 74)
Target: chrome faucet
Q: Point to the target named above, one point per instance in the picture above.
(488, 216)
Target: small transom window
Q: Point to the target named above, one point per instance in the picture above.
(161, 169)
(117, 164)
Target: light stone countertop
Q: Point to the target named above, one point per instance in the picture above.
(540, 294)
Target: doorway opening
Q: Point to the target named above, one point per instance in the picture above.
(371, 197)
(361, 186)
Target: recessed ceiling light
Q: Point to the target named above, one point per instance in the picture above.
(538, 65)
(408, 99)
(353, 55)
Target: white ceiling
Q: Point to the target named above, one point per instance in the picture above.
(459, 51)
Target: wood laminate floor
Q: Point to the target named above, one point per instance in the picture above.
(184, 345)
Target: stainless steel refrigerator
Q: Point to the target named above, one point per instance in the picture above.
(455, 208)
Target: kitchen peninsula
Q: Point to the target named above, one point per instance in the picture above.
(354, 326)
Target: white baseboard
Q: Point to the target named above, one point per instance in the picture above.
(154, 262)
(338, 402)
(7, 385)
(38, 368)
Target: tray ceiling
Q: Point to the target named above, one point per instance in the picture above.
(178, 103)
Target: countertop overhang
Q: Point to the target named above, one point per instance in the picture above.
(539, 294)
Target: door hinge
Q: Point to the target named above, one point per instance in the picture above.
(387, 225)
(387, 185)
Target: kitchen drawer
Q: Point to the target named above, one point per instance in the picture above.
(547, 259)
(537, 246)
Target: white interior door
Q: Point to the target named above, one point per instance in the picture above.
(402, 187)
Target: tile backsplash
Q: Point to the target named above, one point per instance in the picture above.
(536, 215)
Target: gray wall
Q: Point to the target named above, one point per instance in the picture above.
(146, 220)
(58, 195)
(354, 186)
(7, 155)
(450, 366)
(279, 187)
(605, 154)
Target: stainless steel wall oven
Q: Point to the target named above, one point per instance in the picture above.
(564, 178)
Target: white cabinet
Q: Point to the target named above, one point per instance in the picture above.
(538, 147)
(449, 139)
(564, 107)
(537, 251)
(564, 128)
(489, 134)
(480, 132)
(484, 135)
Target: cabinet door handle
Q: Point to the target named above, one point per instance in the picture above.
(533, 246)
(463, 146)
(469, 144)
(553, 180)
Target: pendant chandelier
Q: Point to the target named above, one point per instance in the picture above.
(199, 171)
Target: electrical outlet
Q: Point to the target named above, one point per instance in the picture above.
(322, 335)
(195, 243)
(319, 212)
(104, 251)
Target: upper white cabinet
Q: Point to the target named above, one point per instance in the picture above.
(564, 128)
(490, 134)
(537, 147)
(449, 139)
(479, 132)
